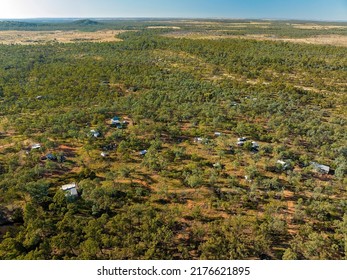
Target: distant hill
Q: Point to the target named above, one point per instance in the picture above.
(86, 22)
(49, 25)
(7, 25)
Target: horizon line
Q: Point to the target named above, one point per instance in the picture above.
(179, 18)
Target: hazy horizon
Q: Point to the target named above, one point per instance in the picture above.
(163, 18)
(310, 10)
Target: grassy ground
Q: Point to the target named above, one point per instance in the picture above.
(41, 37)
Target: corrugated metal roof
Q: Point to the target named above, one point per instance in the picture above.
(68, 186)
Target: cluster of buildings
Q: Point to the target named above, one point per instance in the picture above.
(70, 190)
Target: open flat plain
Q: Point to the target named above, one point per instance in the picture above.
(41, 37)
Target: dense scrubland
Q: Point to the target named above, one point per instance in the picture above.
(168, 179)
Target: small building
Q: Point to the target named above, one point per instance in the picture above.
(50, 156)
(218, 165)
(248, 179)
(324, 169)
(217, 134)
(95, 133)
(197, 139)
(201, 140)
(115, 120)
(119, 125)
(143, 152)
(255, 146)
(70, 190)
(35, 146)
(104, 154)
(241, 141)
(284, 165)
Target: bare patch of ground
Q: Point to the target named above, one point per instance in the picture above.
(318, 27)
(199, 22)
(42, 37)
(335, 40)
(163, 27)
(289, 196)
(205, 22)
(249, 24)
(309, 89)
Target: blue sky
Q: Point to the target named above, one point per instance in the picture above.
(278, 9)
